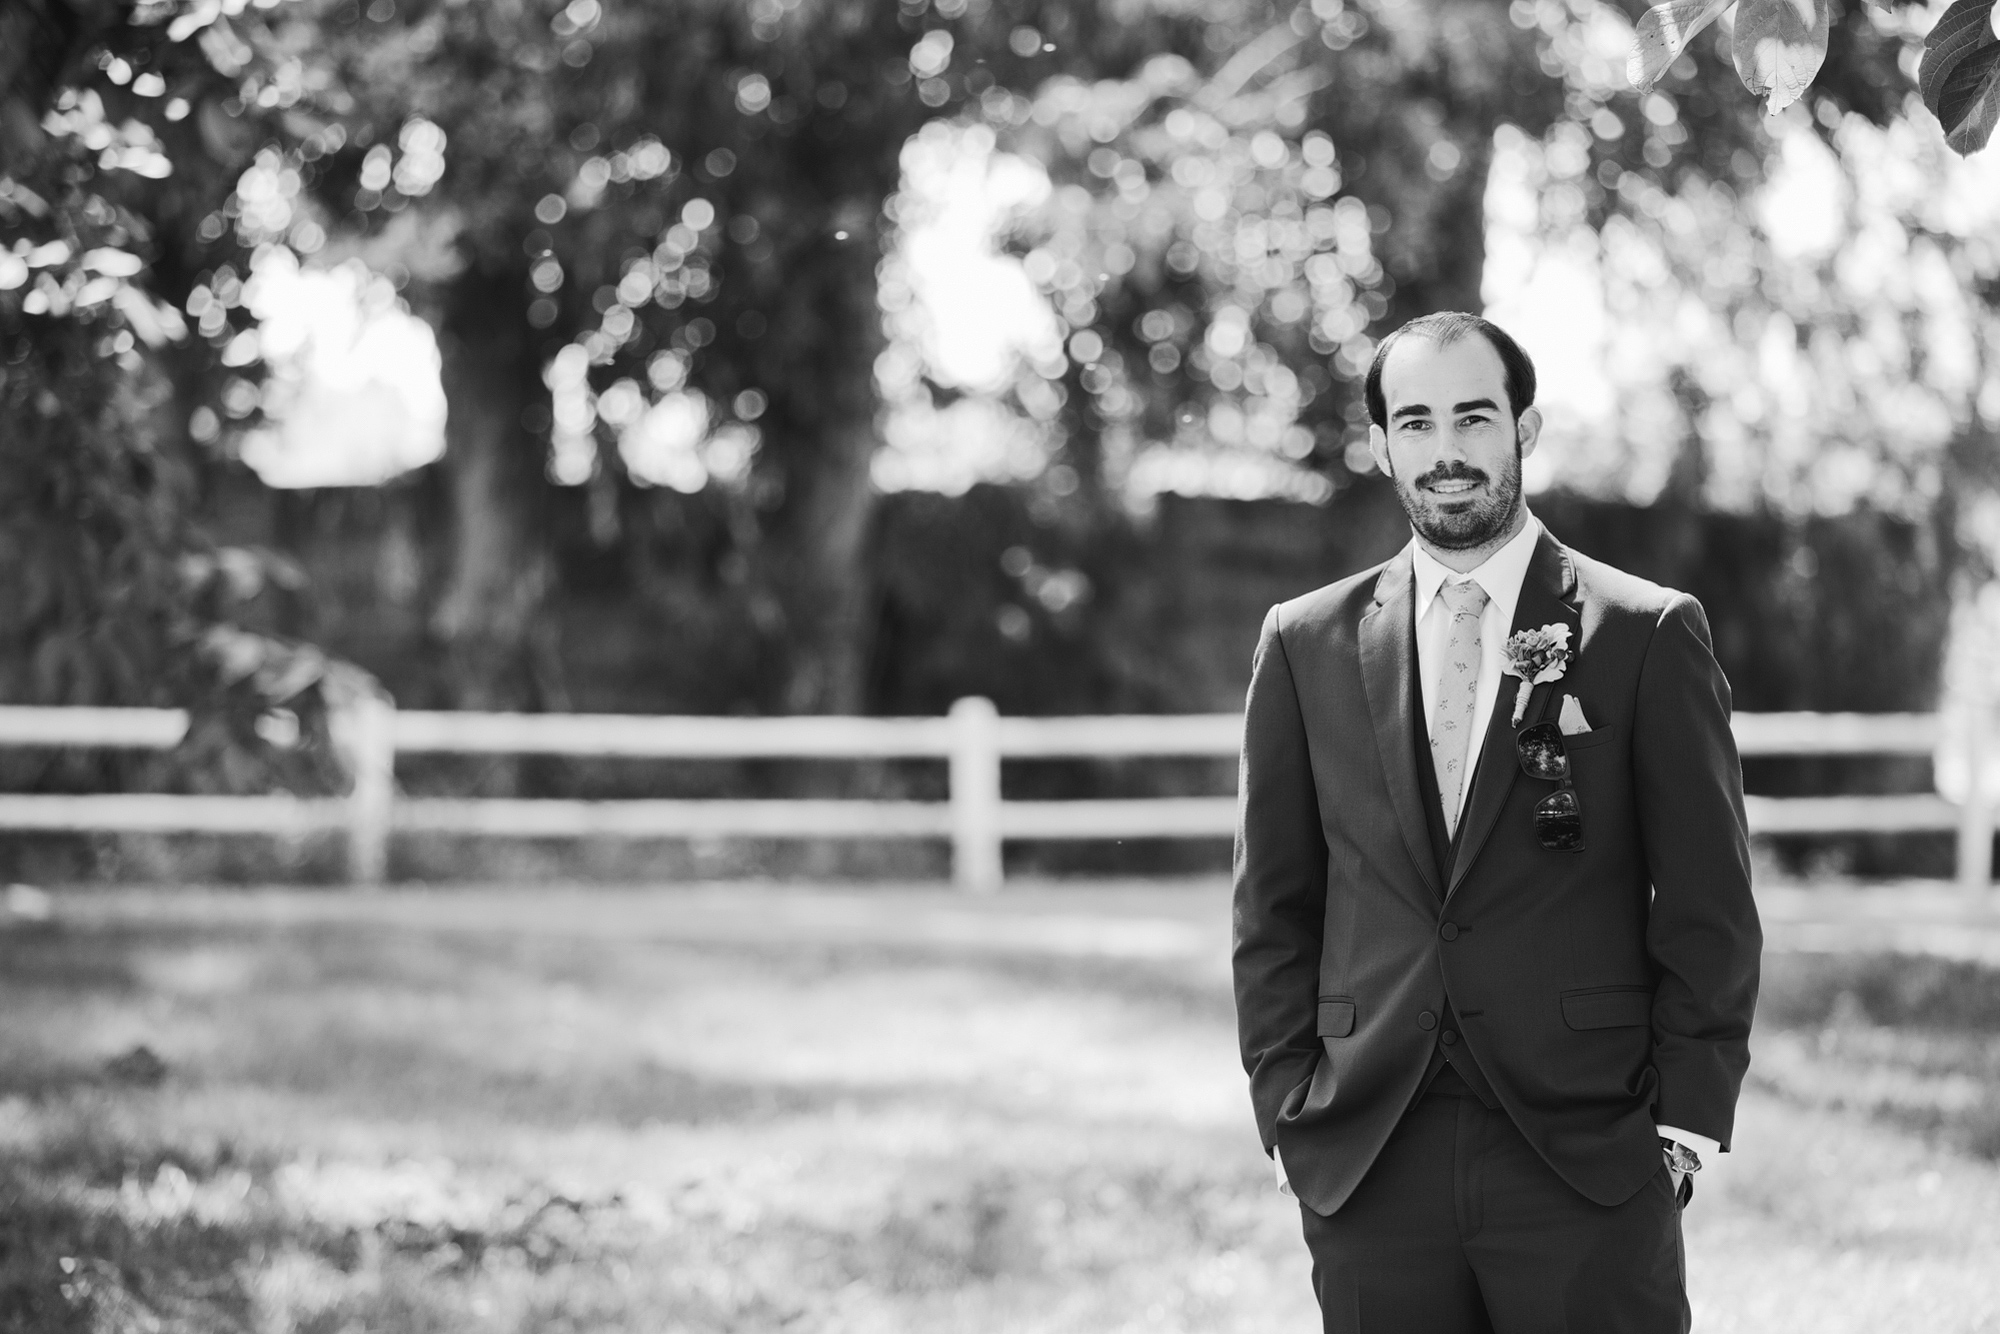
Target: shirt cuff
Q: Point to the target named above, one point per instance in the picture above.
(1701, 1144)
(1284, 1185)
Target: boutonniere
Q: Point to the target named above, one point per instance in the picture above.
(1535, 656)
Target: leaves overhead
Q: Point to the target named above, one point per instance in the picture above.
(124, 131)
(1663, 32)
(1779, 46)
(1960, 74)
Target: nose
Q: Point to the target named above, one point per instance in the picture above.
(1454, 440)
(1451, 447)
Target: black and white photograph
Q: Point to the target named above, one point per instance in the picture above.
(999, 666)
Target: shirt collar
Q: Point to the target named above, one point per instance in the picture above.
(1501, 574)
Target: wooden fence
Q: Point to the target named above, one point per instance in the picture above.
(974, 740)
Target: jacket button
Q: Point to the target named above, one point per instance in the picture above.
(1427, 1021)
(1448, 1037)
(1449, 931)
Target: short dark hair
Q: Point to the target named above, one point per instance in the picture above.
(1444, 328)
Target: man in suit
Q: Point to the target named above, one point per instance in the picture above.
(1495, 950)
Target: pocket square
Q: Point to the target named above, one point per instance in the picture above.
(1571, 719)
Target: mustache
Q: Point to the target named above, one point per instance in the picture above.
(1455, 471)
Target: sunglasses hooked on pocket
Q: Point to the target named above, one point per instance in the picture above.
(1559, 816)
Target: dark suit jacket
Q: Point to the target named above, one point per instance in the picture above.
(1601, 991)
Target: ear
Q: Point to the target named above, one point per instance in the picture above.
(1378, 448)
(1528, 430)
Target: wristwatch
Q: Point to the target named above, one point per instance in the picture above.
(1679, 1156)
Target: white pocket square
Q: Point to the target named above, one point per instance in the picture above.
(1571, 719)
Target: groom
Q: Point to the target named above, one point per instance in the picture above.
(1495, 950)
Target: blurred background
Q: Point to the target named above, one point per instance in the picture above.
(796, 357)
(852, 358)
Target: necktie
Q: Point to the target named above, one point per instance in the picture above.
(1457, 695)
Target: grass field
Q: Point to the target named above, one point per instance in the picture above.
(750, 1109)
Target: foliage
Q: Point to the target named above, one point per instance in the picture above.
(628, 206)
(1960, 74)
(1811, 362)
(648, 236)
(1226, 235)
(1779, 45)
(122, 130)
(1226, 226)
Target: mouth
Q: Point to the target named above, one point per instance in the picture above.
(1453, 486)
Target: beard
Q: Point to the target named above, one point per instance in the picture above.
(1461, 524)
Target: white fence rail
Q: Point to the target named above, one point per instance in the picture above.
(974, 740)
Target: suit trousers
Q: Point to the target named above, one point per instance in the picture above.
(1460, 1227)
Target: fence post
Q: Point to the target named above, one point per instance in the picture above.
(371, 736)
(975, 795)
(1975, 819)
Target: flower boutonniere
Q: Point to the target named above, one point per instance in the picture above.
(1535, 656)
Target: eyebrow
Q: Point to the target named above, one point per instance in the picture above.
(1419, 410)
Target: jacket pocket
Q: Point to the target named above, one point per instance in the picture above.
(1336, 1016)
(1608, 1007)
(1596, 736)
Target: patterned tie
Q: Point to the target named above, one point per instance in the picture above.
(1457, 695)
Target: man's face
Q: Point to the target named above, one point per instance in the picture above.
(1452, 445)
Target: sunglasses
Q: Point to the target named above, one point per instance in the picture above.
(1558, 816)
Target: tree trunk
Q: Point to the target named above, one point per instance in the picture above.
(817, 574)
(490, 618)
(812, 487)
(1435, 249)
(1420, 98)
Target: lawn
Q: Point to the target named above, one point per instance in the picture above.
(755, 1108)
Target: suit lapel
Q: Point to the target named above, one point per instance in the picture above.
(1388, 648)
(1547, 596)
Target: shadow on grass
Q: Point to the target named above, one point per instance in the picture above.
(1911, 1041)
(1893, 990)
(54, 957)
(407, 1078)
(1176, 985)
(72, 1262)
(98, 1235)
(101, 1237)
(64, 1267)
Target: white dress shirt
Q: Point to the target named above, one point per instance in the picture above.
(1501, 576)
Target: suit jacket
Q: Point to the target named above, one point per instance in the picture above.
(1601, 992)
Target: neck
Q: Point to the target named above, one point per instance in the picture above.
(1467, 559)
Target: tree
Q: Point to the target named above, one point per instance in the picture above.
(680, 203)
(1229, 236)
(122, 130)
(1779, 46)
(636, 202)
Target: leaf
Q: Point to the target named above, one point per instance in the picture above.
(1960, 74)
(1779, 45)
(1663, 32)
(1959, 31)
(1970, 101)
